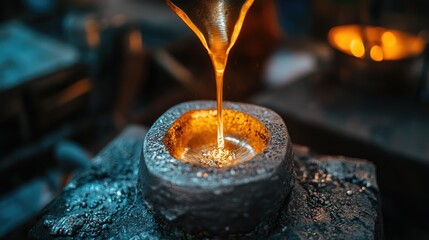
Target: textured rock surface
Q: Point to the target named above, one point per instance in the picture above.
(333, 198)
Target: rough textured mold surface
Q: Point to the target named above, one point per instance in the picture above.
(333, 198)
(217, 201)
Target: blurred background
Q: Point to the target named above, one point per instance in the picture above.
(349, 78)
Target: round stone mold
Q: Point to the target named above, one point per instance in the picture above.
(210, 200)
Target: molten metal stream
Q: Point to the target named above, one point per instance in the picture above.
(217, 23)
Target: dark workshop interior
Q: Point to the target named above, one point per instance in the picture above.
(348, 77)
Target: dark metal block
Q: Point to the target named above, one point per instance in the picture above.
(333, 198)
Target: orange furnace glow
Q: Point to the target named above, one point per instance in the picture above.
(377, 43)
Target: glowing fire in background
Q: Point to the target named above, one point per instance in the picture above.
(376, 42)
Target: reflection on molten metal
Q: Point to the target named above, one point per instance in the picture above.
(193, 138)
